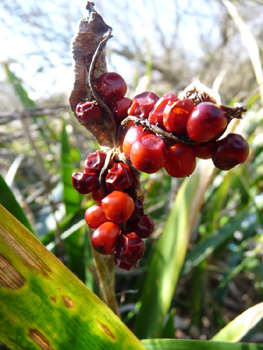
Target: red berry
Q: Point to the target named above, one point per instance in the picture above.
(94, 162)
(97, 195)
(142, 104)
(203, 151)
(230, 151)
(111, 87)
(181, 161)
(103, 240)
(129, 249)
(156, 114)
(176, 114)
(118, 206)
(143, 227)
(85, 182)
(119, 177)
(138, 210)
(95, 216)
(88, 111)
(206, 122)
(148, 154)
(120, 108)
(134, 133)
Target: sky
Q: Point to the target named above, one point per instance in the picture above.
(17, 47)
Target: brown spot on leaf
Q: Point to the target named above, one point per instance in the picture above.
(9, 276)
(29, 258)
(39, 339)
(107, 331)
(53, 299)
(68, 302)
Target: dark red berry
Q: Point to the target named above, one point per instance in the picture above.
(143, 227)
(181, 161)
(85, 182)
(230, 151)
(97, 195)
(120, 108)
(129, 249)
(142, 104)
(148, 154)
(176, 114)
(94, 162)
(133, 134)
(138, 210)
(119, 177)
(156, 114)
(207, 122)
(103, 240)
(203, 151)
(111, 87)
(88, 111)
(118, 206)
(95, 216)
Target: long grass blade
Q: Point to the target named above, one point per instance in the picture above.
(241, 325)
(250, 43)
(169, 254)
(71, 196)
(176, 344)
(8, 200)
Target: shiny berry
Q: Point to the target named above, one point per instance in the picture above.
(119, 177)
(148, 154)
(207, 122)
(181, 161)
(176, 115)
(143, 227)
(156, 114)
(230, 151)
(129, 249)
(95, 216)
(85, 182)
(103, 240)
(88, 111)
(118, 206)
(111, 87)
(203, 151)
(134, 133)
(120, 108)
(142, 104)
(138, 210)
(94, 162)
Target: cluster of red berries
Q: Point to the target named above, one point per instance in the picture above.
(118, 218)
(111, 88)
(197, 128)
(166, 132)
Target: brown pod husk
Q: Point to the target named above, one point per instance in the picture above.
(89, 62)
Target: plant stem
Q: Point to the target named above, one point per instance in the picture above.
(105, 269)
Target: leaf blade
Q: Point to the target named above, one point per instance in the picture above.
(42, 302)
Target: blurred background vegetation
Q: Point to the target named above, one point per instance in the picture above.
(217, 272)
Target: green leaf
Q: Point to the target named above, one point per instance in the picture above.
(18, 87)
(206, 248)
(166, 262)
(8, 200)
(241, 325)
(71, 196)
(44, 306)
(176, 344)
